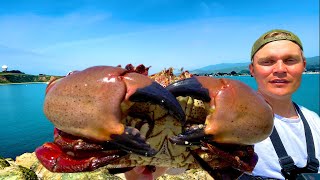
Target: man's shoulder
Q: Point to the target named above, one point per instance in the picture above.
(308, 112)
(313, 120)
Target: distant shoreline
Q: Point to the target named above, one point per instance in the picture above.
(217, 76)
(2, 84)
(312, 72)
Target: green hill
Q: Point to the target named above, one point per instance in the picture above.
(6, 78)
(312, 65)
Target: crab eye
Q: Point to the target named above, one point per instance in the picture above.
(71, 72)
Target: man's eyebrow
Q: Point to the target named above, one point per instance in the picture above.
(294, 56)
(264, 58)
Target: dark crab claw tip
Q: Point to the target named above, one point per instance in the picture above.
(191, 137)
(131, 141)
(157, 94)
(189, 87)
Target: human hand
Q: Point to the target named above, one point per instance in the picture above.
(145, 173)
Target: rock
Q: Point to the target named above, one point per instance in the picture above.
(9, 170)
(3, 163)
(28, 167)
(192, 174)
(43, 173)
(26, 159)
(30, 160)
(17, 172)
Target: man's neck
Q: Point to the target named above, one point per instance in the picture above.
(282, 106)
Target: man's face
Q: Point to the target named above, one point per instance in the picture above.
(277, 68)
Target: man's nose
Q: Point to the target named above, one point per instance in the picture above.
(280, 67)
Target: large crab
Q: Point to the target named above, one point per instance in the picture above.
(109, 116)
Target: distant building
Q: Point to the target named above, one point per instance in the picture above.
(4, 68)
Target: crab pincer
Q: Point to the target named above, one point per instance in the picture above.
(92, 105)
(237, 114)
(234, 116)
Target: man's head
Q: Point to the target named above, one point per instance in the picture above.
(274, 35)
(277, 63)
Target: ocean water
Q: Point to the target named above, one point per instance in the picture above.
(24, 126)
(22, 121)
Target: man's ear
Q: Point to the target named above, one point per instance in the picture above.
(304, 62)
(251, 69)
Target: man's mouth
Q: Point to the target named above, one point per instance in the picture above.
(282, 81)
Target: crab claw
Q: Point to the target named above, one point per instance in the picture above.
(93, 104)
(236, 113)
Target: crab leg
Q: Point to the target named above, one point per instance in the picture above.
(192, 136)
(78, 145)
(132, 141)
(69, 153)
(54, 159)
(218, 174)
(234, 160)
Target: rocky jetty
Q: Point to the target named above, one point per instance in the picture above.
(27, 167)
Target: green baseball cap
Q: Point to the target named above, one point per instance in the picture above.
(274, 35)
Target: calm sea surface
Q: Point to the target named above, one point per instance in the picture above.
(24, 126)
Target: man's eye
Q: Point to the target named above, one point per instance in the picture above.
(267, 62)
(290, 61)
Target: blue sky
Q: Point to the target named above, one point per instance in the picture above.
(55, 37)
